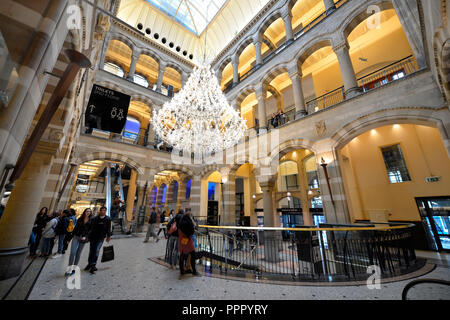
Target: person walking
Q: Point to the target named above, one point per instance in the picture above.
(172, 244)
(80, 238)
(39, 224)
(70, 223)
(99, 230)
(186, 246)
(48, 237)
(151, 226)
(162, 226)
(60, 231)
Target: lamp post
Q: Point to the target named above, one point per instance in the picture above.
(324, 166)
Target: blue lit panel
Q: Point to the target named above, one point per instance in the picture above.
(194, 15)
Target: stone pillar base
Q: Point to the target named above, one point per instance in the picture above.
(11, 262)
(300, 114)
(353, 92)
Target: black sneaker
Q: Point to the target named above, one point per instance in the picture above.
(196, 274)
(92, 271)
(94, 268)
(87, 267)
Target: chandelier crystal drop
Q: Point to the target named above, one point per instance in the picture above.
(198, 118)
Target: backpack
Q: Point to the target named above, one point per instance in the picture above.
(70, 226)
(186, 226)
(59, 228)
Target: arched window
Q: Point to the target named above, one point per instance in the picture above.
(114, 69)
(211, 190)
(140, 80)
(163, 199)
(153, 196)
(131, 129)
(188, 189)
(175, 192)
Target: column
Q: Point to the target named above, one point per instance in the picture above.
(262, 115)
(130, 196)
(105, 48)
(235, 63)
(329, 6)
(181, 194)
(161, 70)
(287, 18)
(299, 100)
(196, 197)
(271, 245)
(229, 198)
(18, 219)
(258, 44)
(219, 77)
(347, 71)
(134, 60)
(184, 79)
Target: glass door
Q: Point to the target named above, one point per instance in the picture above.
(435, 214)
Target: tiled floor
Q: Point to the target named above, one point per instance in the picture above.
(133, 276)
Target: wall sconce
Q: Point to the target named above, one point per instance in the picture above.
(324, 166)
(254, 196)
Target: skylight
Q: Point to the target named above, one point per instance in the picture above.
(194, 15)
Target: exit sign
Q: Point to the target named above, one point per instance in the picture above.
(432, 179)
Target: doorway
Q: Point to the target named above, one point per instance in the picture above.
(434, 212)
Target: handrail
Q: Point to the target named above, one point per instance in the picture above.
(419, 281)
(405, 226)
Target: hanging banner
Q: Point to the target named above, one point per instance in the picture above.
(107, 110)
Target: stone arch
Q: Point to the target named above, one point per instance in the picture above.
(277, 95)
(175, 67)
(272, 74)
(176, 167)
(359, 15)
(244, 94)
(224, 63)
(122, 38)
(268, 21)
(151, 54)
(405, 115)
(112, 156)
(207, 170)
(243, 45)
(311, 47)
(287, 146)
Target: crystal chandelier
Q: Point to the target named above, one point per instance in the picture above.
(198, 118)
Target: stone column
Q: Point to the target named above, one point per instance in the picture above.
(130, 196)
(347, 71)
(134, 59)
(184, 79)
(195, 196)
(235, 63)
(18, 219)
(104, 50)
(258, 45)
(329, 6)
(271, 246)
(409, 16)
(299, 100)
(181, 194)
(219, 77)
(161, 70)
(262, 114)
(287, 18)
(229, 199)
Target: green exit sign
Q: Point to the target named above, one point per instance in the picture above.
(432, 179)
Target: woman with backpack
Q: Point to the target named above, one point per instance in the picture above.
(71, 222)
(80, 238)
(186, 247)
(48, 236)
(172, 244)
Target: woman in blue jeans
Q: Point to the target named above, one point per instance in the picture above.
(80, 238)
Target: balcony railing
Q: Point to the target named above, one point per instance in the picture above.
(285, 45)
(329, 253)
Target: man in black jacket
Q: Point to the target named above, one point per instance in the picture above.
(151, 226)
(100, 229)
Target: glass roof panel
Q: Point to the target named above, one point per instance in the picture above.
(194, 15)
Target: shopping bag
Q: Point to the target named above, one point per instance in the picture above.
(108, 254)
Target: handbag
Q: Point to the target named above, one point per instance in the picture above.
(173, 228)
(108, 253)
(184, 241)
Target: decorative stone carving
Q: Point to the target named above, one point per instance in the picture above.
(321, 128)
(102, 27)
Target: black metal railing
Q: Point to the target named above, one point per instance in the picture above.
(332, 253)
